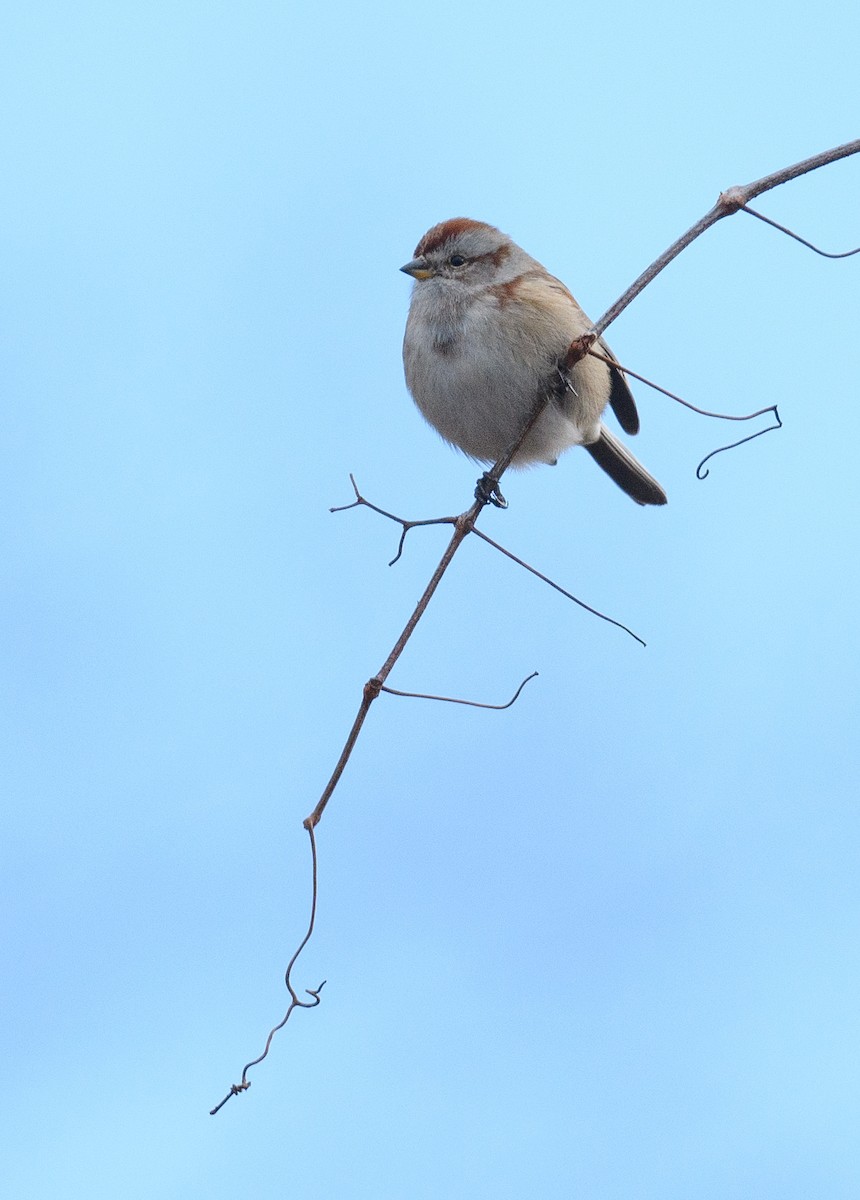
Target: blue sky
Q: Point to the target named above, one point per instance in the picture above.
(604, 944)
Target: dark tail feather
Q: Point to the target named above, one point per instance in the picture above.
(620, 465)
(620, 397)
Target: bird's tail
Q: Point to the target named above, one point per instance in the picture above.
(619, 464)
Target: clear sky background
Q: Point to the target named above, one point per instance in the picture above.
(605, 944)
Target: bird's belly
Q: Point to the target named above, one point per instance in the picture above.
(481, 406)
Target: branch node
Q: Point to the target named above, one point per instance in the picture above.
(577, 350)
(732, 200)
(372, 689)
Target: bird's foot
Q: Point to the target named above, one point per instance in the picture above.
(487, 490)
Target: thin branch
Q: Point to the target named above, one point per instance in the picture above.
(729, 202)
(546, 579)
(462, 526)
(824, 254)
(360, 502)
(703, 412)
(732, 445)
(453, 699)
(295, 1002)
(489, 481)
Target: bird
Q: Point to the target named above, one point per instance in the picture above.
(486, 336)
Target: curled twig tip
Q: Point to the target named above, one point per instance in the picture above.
(703, 474)
(235, 1089)
(703, 412)
(295, 1002)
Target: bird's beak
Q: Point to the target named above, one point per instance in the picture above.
(418, 268)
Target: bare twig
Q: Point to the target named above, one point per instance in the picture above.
(546, 579)
(732, 445)
(730, 202)
(703, 412)
(295, 1002)
(462, 526)
(454, 700)
(360, 502)
(782, 229)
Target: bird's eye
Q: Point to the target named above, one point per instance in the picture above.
(456, 260)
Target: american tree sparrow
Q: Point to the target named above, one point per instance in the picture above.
(487, 333)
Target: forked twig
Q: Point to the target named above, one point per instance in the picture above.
(361, 502)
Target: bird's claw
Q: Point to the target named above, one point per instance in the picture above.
(487, 490)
